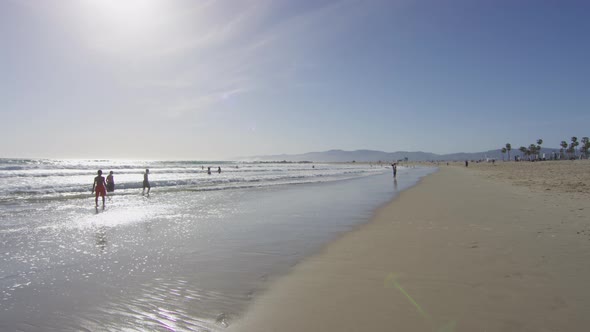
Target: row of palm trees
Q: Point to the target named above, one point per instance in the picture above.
(569, 150)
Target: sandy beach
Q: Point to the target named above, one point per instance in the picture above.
(484, 248)
(567, 176)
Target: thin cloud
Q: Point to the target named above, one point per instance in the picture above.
(200, 53)
(202, 102)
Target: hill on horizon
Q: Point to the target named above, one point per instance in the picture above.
(375, 156)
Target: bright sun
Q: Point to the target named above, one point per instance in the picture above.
(122, 25)
(129, 14)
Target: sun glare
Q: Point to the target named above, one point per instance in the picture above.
(128, 14)
(122, 26)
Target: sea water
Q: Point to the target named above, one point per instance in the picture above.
(190, 256)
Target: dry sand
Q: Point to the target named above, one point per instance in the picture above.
(556, 176)
(461, 251)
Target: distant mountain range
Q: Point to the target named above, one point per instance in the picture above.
(374, 156)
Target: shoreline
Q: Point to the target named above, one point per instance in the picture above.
(199, 257)
(457, 252)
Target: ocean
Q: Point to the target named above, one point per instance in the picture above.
(190, 256)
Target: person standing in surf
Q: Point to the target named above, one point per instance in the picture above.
(99, 186)
(146, 182)
(394, 166)
(110, 182)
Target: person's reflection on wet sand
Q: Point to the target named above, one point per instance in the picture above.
(101, 239)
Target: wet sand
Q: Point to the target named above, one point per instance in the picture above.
(467, 249)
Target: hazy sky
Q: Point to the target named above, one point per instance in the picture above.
(218, 79)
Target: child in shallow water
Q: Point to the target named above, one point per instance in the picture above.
(146, 182)
(110, 182)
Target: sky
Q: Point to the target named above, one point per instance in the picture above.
(218, 79)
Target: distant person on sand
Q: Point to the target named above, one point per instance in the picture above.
(110, 182)
(466, 163)
(99, 186)
(219, 170)
(394, 166)
(146, 182)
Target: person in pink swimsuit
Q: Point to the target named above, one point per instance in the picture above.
(100, 187)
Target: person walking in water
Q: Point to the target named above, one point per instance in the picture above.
(99, 186)
(219, 170)
(110, 182)
(394, 166)
(146, 182)
(209, 170)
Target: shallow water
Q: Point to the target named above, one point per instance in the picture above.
(178, 260)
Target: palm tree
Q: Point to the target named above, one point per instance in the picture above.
(574, 144)
(533, 150)
(523, 150)
(571, 151)
(539, 143)
(585, 146)
(503, 153)
(563, 145)
(508, 148)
